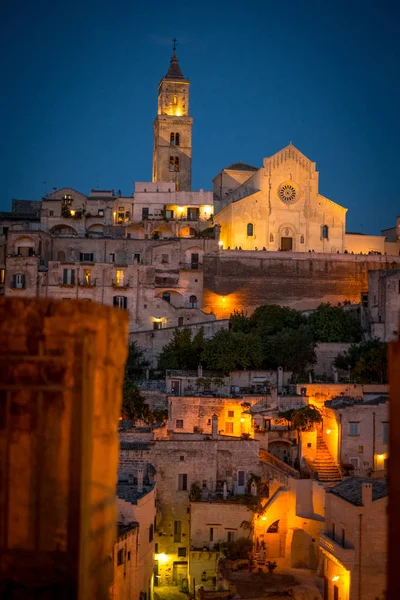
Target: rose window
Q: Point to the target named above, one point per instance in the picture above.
(287, 193)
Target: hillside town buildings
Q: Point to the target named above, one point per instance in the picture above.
(228, 466)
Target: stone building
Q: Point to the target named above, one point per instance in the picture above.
(354, 543)
(172, 155)
(133, 563)
(278, 207)
(384, 304)
(207, 463)
(356, 433)
(109, 258)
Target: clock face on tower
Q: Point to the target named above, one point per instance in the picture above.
(288, 192)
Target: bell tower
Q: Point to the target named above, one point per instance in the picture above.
(172, 154)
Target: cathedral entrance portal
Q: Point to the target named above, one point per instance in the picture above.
(286, 244)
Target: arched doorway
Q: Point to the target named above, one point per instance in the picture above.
(286, 239)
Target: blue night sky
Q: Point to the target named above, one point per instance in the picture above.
(79, 93)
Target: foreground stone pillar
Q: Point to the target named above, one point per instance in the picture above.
(61, 372)
(394, 472)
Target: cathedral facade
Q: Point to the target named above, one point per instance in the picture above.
(277, 207)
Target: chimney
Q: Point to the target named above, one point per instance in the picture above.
(214, 427)
(54, 189)
(366, 494)
(140, 481)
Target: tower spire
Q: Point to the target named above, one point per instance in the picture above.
(174, 71)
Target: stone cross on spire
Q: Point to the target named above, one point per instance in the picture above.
(174, 48)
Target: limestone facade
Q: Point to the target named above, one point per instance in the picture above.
(279, 208)
(354, 543)
(159, 281)
(172, 154)
(181, 463)
(357, 434)
(384, 304)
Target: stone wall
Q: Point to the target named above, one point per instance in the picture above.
(153, 341)
(60, 395)
(245, 280)
(326, 354)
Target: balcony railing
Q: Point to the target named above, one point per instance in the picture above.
(120, 284)
(344, 555)
(87, 283)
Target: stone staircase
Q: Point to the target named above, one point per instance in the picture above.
(326, 468)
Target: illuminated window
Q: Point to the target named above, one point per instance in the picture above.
(176, 164)
(172, 139)
(120, 302)
(325, 232)
(119, 279)
(166, 296)
(87, 276)
(250, 229)
(177, 139)
(175, 100)
(193, 302)
(228, 427)
(2, 275)
(171, 164)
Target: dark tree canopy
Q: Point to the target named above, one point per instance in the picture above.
(182, 352)
(335, 324)
(230, 351)
(292, 349)
(272, 318)
(366, 362)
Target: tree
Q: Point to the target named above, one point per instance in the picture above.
(182, 352)
(366, 362)
(228, 351)
(271, 319)
(292, 349)
(335, 324)
(136, 364)
(133, 404)
(239, 321)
